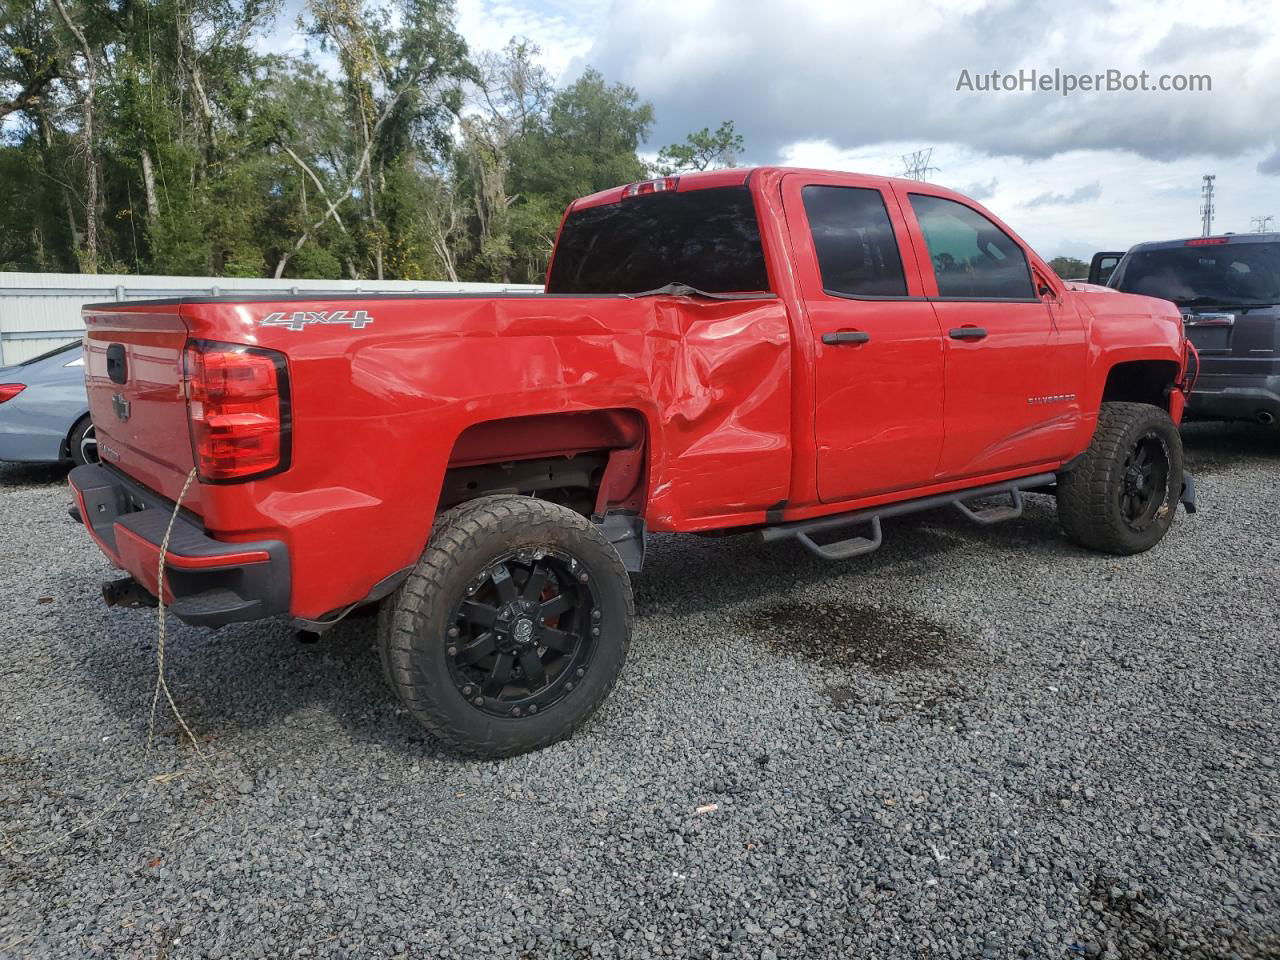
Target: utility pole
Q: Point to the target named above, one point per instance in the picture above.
(1263, 224)
(915, 166)
(1206, 205)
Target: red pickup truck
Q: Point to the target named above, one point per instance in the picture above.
(794, 352)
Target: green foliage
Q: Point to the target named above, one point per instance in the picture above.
(208, 157)
(1069, 268)
(703, 150)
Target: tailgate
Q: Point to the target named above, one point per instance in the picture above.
(134, 375)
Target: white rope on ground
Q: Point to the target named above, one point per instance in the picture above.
(161, 684)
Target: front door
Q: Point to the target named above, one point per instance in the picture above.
(1014, 359)
(878, 348)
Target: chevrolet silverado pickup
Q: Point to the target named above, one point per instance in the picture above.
(793, 353)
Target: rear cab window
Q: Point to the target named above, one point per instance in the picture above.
(853, 238)
(1204, 273)
(973, 259)
(708, 239)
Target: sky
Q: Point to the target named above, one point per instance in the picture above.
(854, 85)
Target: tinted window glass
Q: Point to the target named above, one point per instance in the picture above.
(857, 251)
(708, 239)
(1229, 273)
(972, 257)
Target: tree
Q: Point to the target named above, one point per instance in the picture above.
(1069, 268)
(155, 136)
(703, 150)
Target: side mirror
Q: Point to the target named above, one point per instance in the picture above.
(1103, 265)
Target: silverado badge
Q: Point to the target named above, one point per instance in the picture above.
(301, 319)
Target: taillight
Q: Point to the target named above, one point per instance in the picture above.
(651, 186)
(238, 405)
(10, 390)
(1207, 241)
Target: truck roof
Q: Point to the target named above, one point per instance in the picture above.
(1213, 240)
(736, 177)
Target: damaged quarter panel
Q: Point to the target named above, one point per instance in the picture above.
(376, 413)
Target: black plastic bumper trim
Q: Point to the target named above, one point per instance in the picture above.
(210, 595)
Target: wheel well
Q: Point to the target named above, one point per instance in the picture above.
(590, 461)
(1140, 381)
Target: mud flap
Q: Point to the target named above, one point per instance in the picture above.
(1188, 497)
(626, 532)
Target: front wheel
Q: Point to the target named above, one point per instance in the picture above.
(511, 630)
(1122, 496)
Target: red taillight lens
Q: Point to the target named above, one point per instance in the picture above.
(1207, 241)
(651, 186)
(10, 390)
(238, 405)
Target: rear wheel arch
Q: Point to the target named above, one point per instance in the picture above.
(590, 461)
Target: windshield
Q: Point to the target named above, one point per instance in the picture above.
(708, 239)
(1227, 273)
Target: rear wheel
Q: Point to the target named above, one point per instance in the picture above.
(511, 630)
(1122, 496)
(82, 444)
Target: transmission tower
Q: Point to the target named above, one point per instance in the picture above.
(1263, 224)
(916, 166)
(1206, 205)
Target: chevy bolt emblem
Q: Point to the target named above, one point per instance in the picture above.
(301, 319)
(120, 405)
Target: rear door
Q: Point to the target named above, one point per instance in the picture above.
(133, 372)
(878, 408)
(1015, 360)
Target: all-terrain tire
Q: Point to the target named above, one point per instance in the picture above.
(415, 621)
(1092, 497)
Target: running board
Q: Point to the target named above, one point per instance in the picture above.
(803, 530)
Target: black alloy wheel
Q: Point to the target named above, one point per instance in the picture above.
(524, 634)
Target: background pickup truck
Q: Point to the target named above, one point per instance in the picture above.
(1228, 291)
(793, 352)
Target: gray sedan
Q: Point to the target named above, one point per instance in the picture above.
(44, 411)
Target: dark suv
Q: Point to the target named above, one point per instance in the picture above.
(1228, 289)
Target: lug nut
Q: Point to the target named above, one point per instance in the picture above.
(478, 701)
(595, 631)
(453, 631)
(466, 691)
(582, 672)
(595, 614)
(515, 711)
(582, 577)
(568, 686)
(533, 708)
(452, 651)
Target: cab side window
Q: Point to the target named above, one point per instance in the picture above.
(973, 259)
(853, 238)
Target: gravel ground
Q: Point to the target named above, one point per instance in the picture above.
(975, 743)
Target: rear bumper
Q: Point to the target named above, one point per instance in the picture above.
(208, 582)
(1235, 397)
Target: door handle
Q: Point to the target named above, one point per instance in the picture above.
(968, 333)
(845, 337)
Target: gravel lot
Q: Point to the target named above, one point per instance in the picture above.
(975, 743)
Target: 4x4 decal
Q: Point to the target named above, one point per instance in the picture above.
(301, 319)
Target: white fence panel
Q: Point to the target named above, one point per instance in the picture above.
(40, 311)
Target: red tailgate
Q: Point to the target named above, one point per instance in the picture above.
(134, 375)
